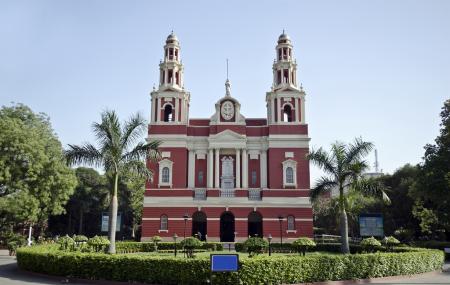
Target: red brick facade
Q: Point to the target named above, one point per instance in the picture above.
(228, 177)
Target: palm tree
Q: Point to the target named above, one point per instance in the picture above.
(118, 152)
(343, 169)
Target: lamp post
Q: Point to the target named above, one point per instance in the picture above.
(185, 217)
(175, 236)
(280, 219)
(269, 238)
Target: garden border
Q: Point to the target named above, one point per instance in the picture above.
(273, 270)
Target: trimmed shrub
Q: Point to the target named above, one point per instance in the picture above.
(390, 242)
(98, 243)
(66, 243)
(370, 244)
(255, 246)
(13, 242)
(190, 244)
(156, 240)
(404, 235)
(258, 270)
(303, 244)
(133, 246)
(434, 244)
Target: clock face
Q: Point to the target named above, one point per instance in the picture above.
(227, 110)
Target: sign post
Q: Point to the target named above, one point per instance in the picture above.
(224, 263)
(105, 221)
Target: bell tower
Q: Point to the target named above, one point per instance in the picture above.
(286, 100)
(170, 102)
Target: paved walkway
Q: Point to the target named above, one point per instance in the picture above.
(11, 275)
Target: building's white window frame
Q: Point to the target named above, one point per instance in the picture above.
(292, 164)
(291, 224)
(162, 164)
(163, 223)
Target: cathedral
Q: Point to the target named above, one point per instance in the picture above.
(228, 177)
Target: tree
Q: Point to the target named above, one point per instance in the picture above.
(397, 214)
(326, 210)
(90, 192)
(431, 189)
(133, 192)
(343, 169)
(35, 181)
(118, 152)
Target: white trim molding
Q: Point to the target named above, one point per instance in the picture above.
(290, 163)
(162, 164)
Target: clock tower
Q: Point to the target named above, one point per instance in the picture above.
(228, 109)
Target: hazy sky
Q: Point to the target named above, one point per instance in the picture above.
(376, 69)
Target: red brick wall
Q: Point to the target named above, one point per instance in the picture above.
(270, 226)
(275, 169)
(179, 168)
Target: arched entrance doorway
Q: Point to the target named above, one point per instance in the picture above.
(255, 224)
(227, 227)
(199, 225)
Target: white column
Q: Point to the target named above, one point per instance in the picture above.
(272, 106)
(176, 108)
(297, 107)
(191, 169)
(210, 167)
(217, 180)
(158, 110)
(278, 109)
(302, 104)
(244, 168)
(183, 107)
(263, 168)
(238, 168)
(152, 119)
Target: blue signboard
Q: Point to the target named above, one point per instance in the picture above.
(224, 262)
(371, 225)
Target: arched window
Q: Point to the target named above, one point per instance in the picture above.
(168, 113)
(287, 113)
(165, 175)
(163, 223)
(289, 175)
(290, 223)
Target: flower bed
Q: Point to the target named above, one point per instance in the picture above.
(258, 270)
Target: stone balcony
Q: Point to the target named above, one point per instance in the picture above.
(253, 194)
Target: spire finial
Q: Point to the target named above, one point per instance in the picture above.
(227, 68)
(227, 84)
(283, 31)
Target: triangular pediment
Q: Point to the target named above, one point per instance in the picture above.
(227, 135)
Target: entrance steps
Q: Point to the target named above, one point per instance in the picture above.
(228, 246)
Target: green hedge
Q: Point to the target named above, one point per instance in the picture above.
(258, 270)
(433, 244)
(130, 246)
(287, 247)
